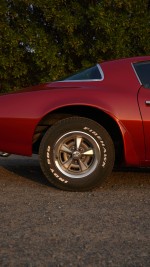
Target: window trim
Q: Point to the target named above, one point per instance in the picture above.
(132, 64)
(138, 62)
(89, 80)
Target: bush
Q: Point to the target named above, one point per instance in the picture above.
(47, 40)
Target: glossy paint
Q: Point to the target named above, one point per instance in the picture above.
(119, 94)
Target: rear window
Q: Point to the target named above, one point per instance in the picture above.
(143, 72)
(94, 73)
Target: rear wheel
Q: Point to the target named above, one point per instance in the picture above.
(76, 154)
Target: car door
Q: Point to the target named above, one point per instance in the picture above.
(143, 73)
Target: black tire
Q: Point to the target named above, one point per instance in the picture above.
(76, 154)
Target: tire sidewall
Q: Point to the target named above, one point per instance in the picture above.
(97, 132)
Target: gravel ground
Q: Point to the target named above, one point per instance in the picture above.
(43, 226)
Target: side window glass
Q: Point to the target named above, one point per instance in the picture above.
(93, 73)
(143, 72)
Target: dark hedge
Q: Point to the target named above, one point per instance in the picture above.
(45, 40)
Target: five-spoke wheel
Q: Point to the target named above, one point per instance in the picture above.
(76, 154)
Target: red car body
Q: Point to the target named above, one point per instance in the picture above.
(119, 94)
(119, 97)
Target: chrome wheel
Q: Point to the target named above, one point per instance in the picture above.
(76, 154)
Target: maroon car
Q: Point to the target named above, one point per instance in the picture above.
(81, 126)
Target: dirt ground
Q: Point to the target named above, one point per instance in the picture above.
(43, 226)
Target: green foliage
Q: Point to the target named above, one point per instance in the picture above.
(46, 40)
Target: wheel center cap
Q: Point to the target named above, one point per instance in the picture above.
(76, 154)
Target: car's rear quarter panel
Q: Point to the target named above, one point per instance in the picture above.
(116, 95)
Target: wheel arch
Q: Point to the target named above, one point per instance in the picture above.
(93, 113)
